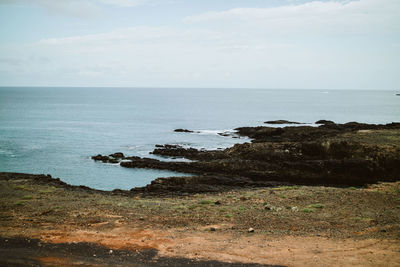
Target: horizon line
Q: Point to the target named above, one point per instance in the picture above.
(181, 87)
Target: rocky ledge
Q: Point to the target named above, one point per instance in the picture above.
(350, 154)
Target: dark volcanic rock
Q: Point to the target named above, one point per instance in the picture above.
(321, 155)
(183, 131)
(117, 155)
(199, 184)
(260, 132)
(101, 158)
(189, 153)
(324, 122)
(108, 159)
(282, 122)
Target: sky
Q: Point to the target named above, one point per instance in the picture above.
(331, 44)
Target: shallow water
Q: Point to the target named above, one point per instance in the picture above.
(56, 130)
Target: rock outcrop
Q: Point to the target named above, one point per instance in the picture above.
(183, 131)
(282, 122)
(351, 154)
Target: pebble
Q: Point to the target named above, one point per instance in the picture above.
(212, 229)
(268, 207)
(251, 230)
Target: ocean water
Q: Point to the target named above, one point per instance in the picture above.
(56, 130)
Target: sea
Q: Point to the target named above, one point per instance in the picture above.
(55, 130)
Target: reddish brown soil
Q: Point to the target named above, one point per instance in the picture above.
(294, 226)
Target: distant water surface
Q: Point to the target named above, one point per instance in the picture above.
(56, 130)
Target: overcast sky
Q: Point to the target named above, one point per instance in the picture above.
(201, 43)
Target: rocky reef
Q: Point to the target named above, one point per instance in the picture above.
(282, 122)
(350, 154)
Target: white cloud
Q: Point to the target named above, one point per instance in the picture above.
(336, 16)
(76, 8)
(124, 3)
(314, 45)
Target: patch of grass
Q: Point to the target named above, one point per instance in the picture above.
(27, 197)
(352, 188)
(317, 206)
(229, 196)
(20, 203)
(58, 207)
(307, 210)
(206, 202)
(192, 207)
(228, 216)
(223, 210)
(51, 189)
(283, 196)
(285, 188)
(22, 187)
(242, 208)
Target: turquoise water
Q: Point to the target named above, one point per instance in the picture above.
(56, 130)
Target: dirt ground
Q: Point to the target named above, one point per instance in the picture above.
(291, 225)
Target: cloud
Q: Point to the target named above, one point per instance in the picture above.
(77, 8)
(331, 16)
(124, 3)
(334, 44)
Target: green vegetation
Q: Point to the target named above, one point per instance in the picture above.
(206, 202)
(317, 206)
(20, 203)
(50, 189)
(307, 210)
(22, 187)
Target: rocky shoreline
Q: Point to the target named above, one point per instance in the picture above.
(350, 154)
(239, 208)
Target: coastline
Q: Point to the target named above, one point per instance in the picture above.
(222, 215)
(351, 154)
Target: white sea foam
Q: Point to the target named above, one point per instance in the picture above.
(290, 125)
(214, 132)
(7, 152)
